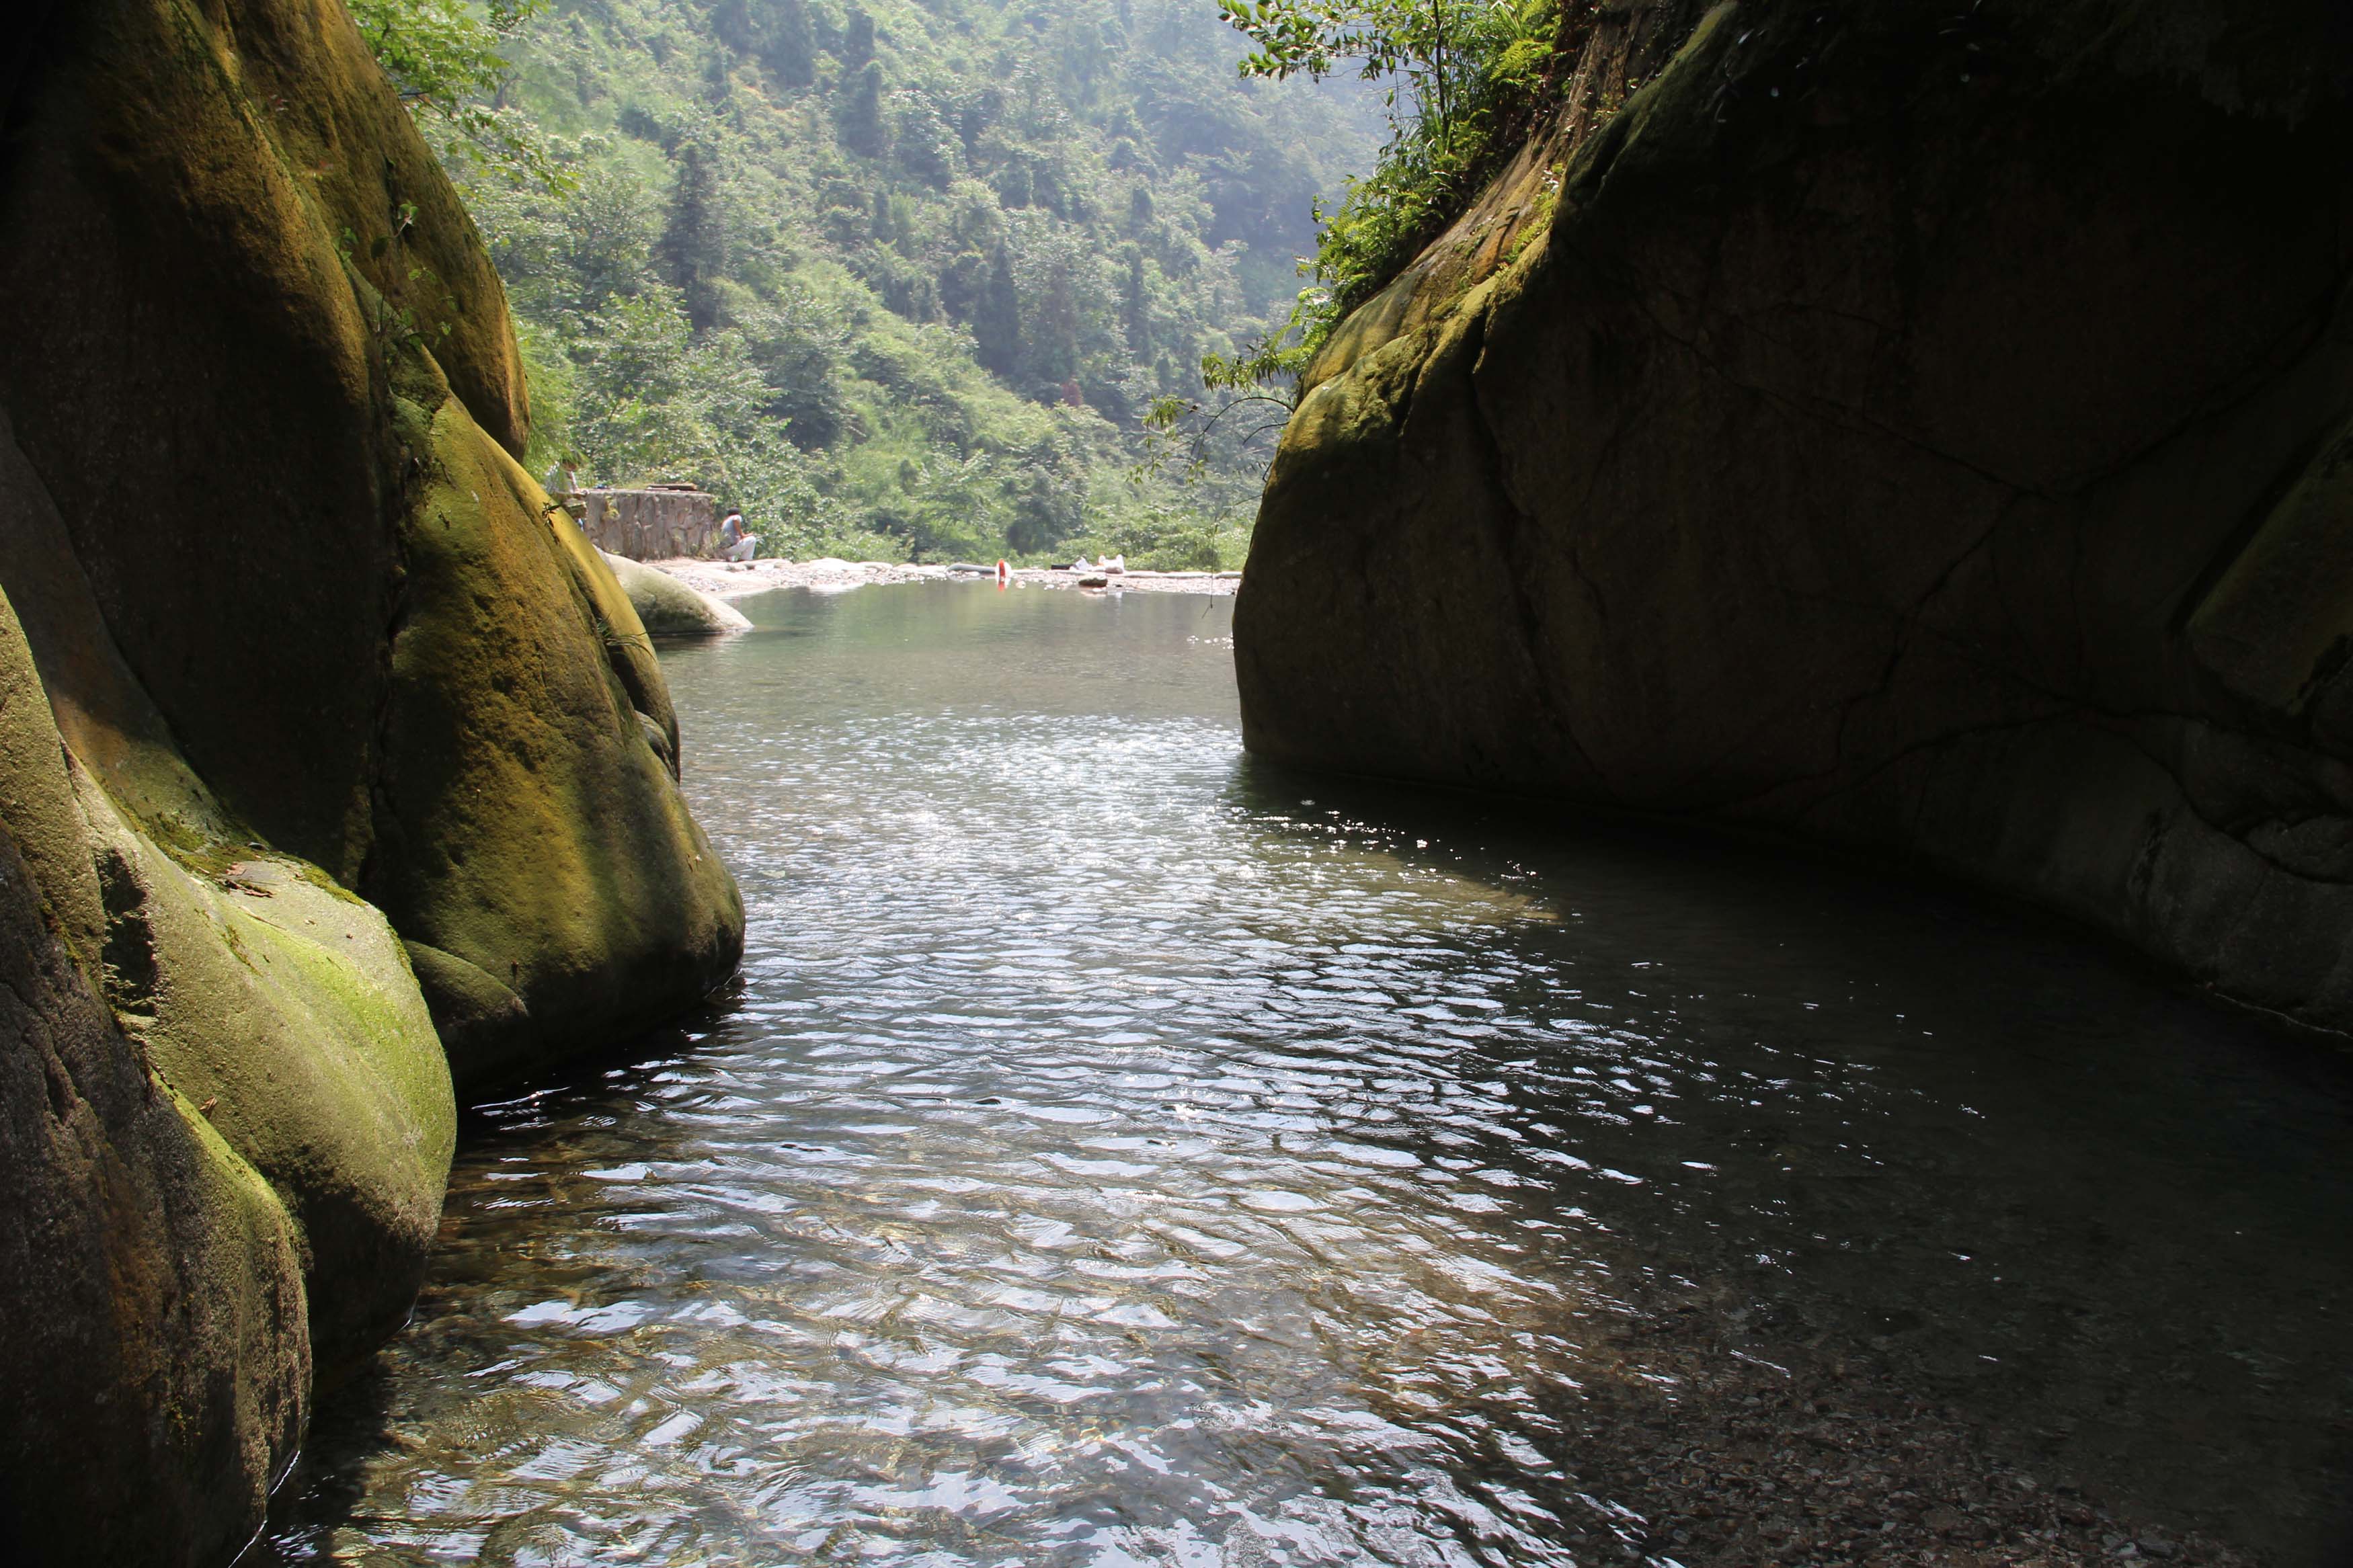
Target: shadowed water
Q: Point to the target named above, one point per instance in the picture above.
(1117, 1151)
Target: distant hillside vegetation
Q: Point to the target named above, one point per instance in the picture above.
(904, 280)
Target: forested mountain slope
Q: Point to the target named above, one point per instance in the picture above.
(906, 278)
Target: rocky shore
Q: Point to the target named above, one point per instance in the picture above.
(736, 580)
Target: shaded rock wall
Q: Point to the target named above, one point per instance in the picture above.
(333, 765)
(175, 1256)
(1922, 429)
(157, 1365)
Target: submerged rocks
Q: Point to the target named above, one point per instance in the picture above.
(1928, 433)
(334, 763)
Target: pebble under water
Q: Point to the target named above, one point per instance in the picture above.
(1117, 1150)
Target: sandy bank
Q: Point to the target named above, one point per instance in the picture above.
(732, 580)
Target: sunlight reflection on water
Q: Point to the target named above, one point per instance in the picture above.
(1118, 1151)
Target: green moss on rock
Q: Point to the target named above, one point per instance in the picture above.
(1916, 433)
(297, 634)
(552, 852)
(667, 607)
(157, 1363)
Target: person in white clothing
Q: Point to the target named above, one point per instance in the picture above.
(737, 543)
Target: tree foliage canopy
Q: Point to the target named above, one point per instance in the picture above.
(1465, 77)
(894, 278)
(449, 59)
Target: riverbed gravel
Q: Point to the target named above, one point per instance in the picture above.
(1714, 1454)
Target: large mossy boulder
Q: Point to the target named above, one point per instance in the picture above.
(225, 1127)
(667, 607)
(334, 766)
(259, 360)
(1923, 428)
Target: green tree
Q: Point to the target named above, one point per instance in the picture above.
(856, 41)
(791, 48)
(797, 345)
(1136, 306)
(862, 112)
(1423, 41)
(1472, 70)
(1049, 501)
(997, 323)
(450, 60)
(1053, 336)
(647, 406)
(776, 32)
(693, 251)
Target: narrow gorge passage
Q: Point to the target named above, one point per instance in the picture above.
(1118, 1151)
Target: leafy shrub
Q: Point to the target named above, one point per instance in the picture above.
(1472, 74)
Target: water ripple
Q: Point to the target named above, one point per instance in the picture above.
(1119, 1153)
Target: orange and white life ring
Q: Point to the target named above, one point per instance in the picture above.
(1004, 575)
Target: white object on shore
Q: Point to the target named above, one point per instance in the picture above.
(834, 575)
(1112, 564)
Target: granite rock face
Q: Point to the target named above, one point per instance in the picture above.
(334, 765)
(1925, 429)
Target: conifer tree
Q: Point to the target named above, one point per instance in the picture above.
(856, 41)
(789, 45)
(862, 112)
(732, 20)
(996, 324)
(1054, 345)
(1135, 306)
(693, 251)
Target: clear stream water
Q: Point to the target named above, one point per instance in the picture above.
(1117, 1150)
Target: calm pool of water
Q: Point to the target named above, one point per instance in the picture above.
(1119, 1151)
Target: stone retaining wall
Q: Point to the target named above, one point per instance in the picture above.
(651, 525)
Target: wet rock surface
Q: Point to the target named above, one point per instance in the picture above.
(1927, 436)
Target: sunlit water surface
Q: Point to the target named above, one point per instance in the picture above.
(1117, 1151)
